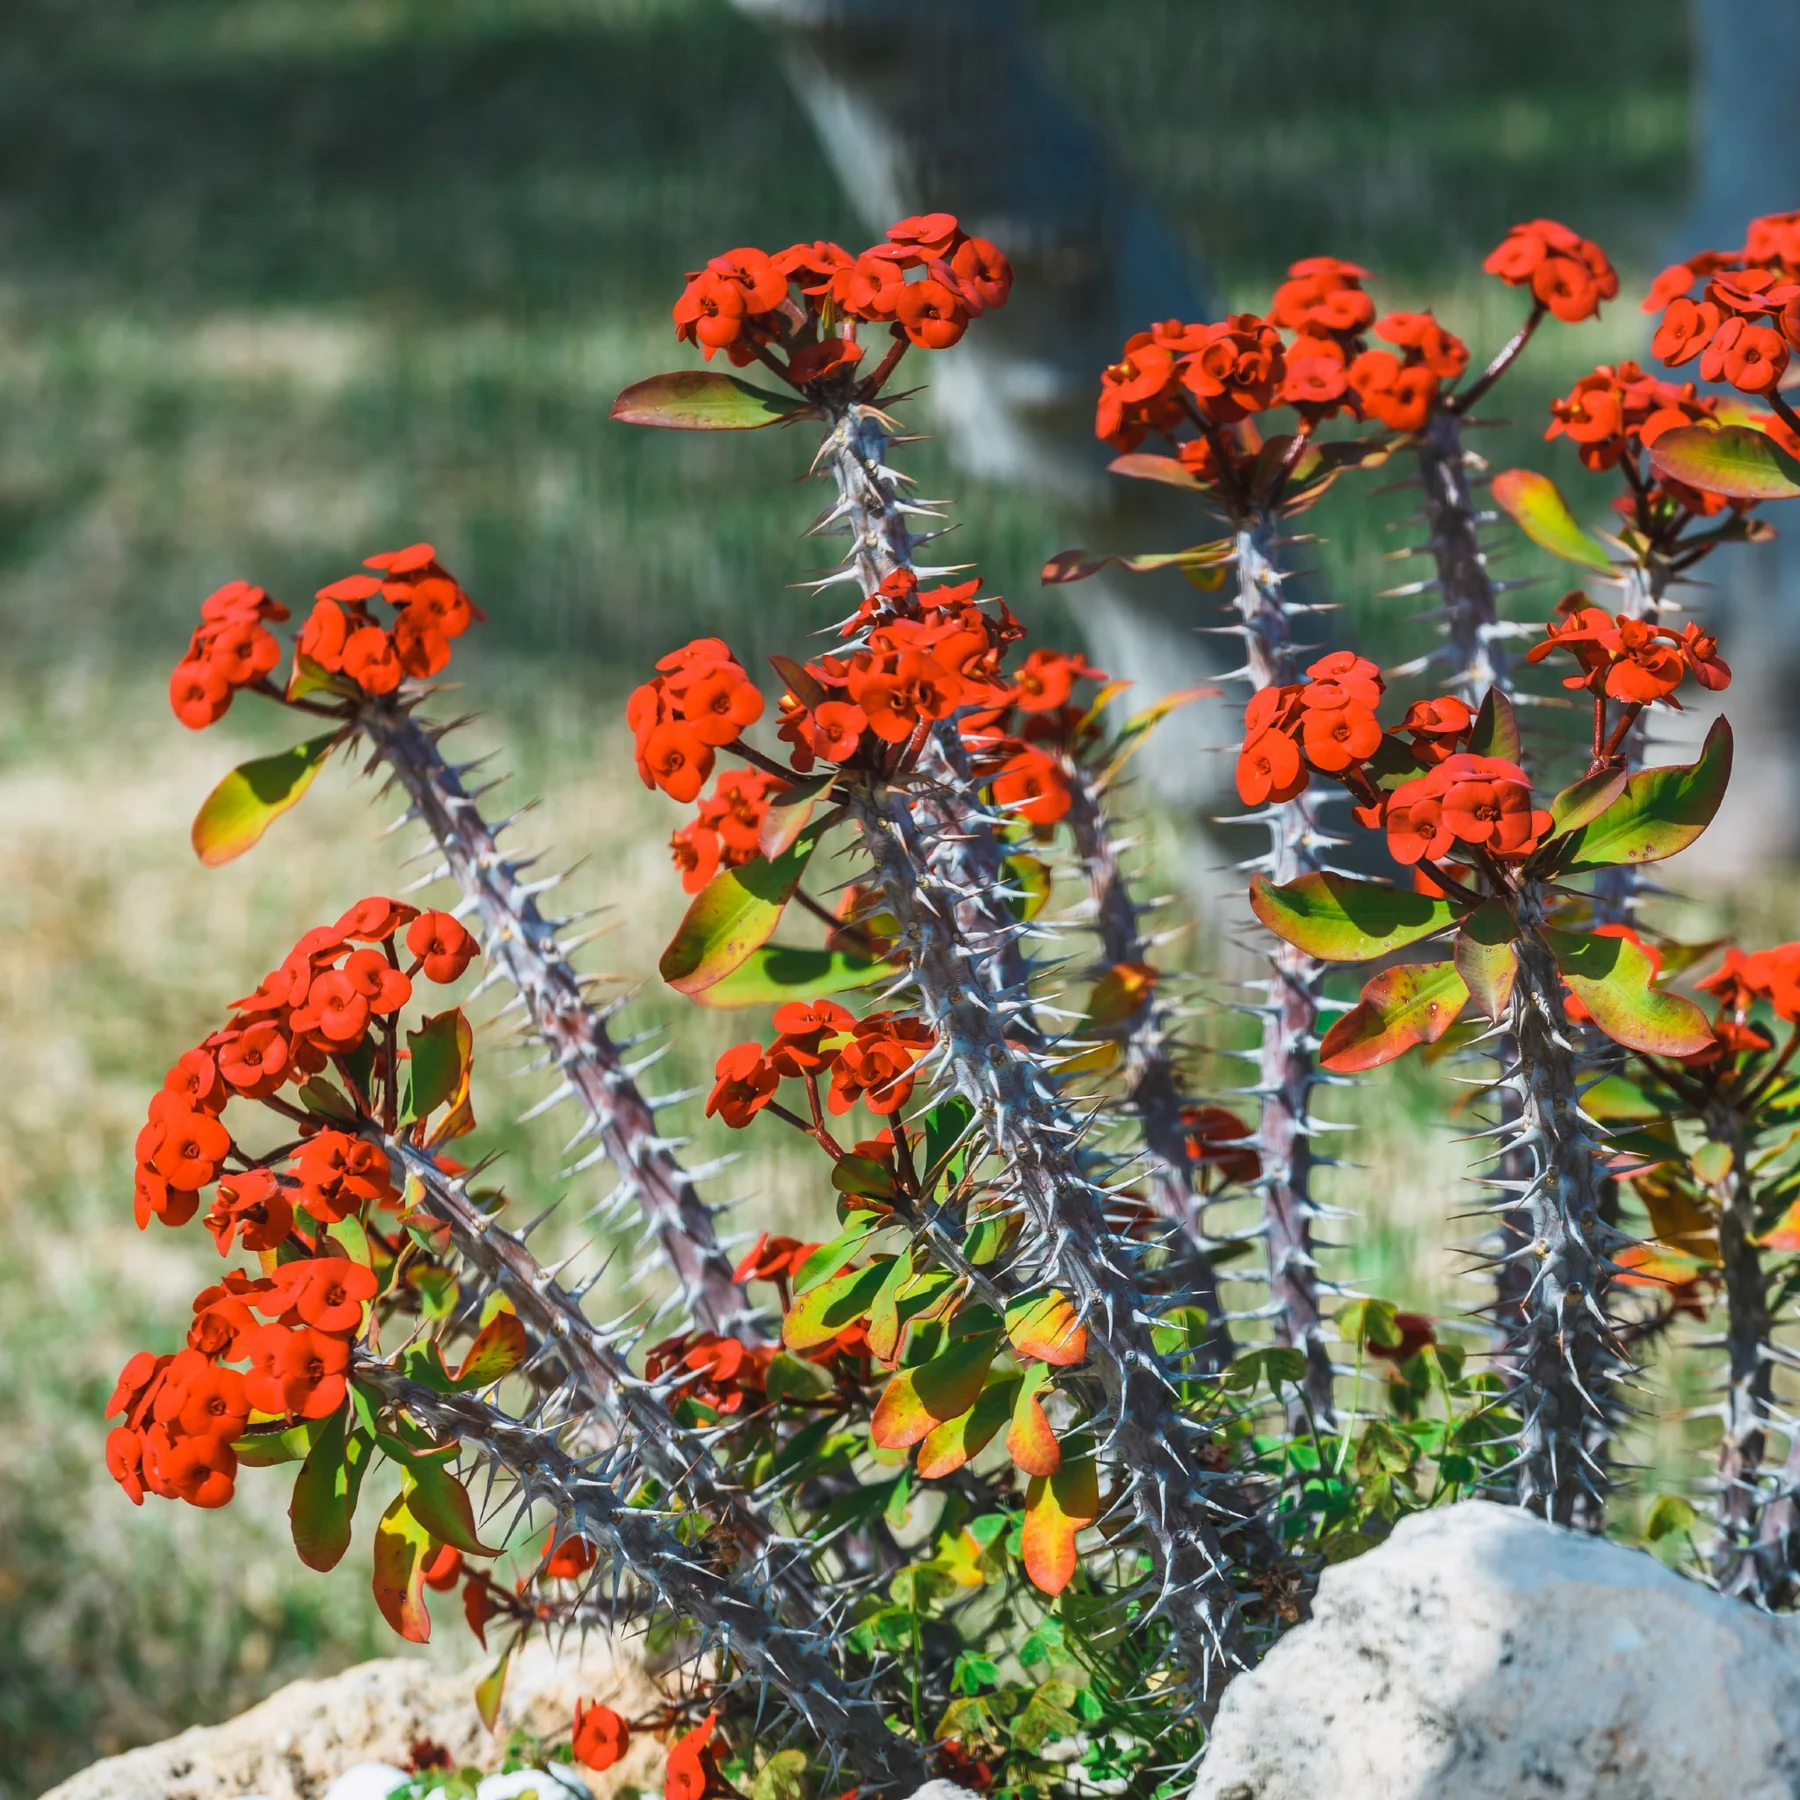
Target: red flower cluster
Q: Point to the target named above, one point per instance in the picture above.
(1747, 320)
(870, 1059)
(600, 1736)
(184, 1413)
(1746, 977)
(807, 300)
(231, 648)
(726, 832)
(701, 699)
(1327, 723)
(1565, 272)
(1616, 412)
(1399, 390)
(776, 1259)
(1630, 659)
(319, 1005)
(1483, 802)
(718, 1372)
(343, 637)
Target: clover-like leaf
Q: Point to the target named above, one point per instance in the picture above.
(1615, 980)
(1336, 919)
(1735, 460)
(705, 400)
(253, 796)
(1415, 1003)
(733, 916)
(1543, 515)
(1659, 814)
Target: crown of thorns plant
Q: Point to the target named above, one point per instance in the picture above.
(1009, 1477)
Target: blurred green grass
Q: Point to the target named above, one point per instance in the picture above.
(282, 281)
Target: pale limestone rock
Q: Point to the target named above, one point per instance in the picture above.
(301, 1739)
(1481, 1654)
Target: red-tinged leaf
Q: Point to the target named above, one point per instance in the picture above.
(946, 1447)
(1544, 516)
(402, 1545)
(781, 825)
(1585, 800)
(1660, 813)
(437, 1071)
(1413, 1004)
(441, 1504)
(804, 686)
(779, 972)
(1077, 565)
(1171, 471)
(1339, 920)
(1057, 1507)
(498, 1349)
(705, 400)
(326, 1490)
(309, 677)
(1615, 980)
(253, 796)
(1046, 1328)
(1496, 729)
(1734, 460)
(1784, 1234)
(1029, 1440)
(817, 1317)
(1486, 959)
(491, 1689)
(733, 916)
(919, 1399)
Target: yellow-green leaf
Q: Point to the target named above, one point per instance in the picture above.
(499, 1347)
(946, 1447)
(705, 400)
(1615, 980)
(490, 1689)
(1485, 957)
(918, 1399)
(1544, 516)
(1730, 459)
(1659, 814)
(733, 916)
(402, 1545)
(1339, 920)
(778, 972)
(1415, 1003)
(1029, 1440)
(253, 796)
(1046, 1328)
(816, 1318)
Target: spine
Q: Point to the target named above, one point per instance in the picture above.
(520, 941)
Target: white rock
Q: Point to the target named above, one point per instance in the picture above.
(1480, 1654)
(546, 1784)
(366, 1781)
(302, 1740)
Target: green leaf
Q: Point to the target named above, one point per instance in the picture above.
(1339, 920)
(1614, 979)
(1669, 1513)
(947, 1446)
(733, 916)
(1660, 813)
(499, 1348)
(778, 972)
(705, 400)
(782, 1777)
(1585, 800)
(793, 1378)
(1735, 460)
(828, 1258)
(325, 1492)
(266, 1449)
(818, 1317)
(1031, 876)
(1496, 730)
(402, 1544)
(438, 1068)
(1544, 516)
(492, 1686)
(1046, 1716)
(1415, 1003)
(441, 1504)
(1077, 565)
(253, 796)
(1485, 957)
(1365, 1322)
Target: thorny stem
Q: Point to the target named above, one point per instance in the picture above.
(1567, 1353)
(1288, 1069)
(1182, 1507)
(1503, 361)
(689, 1580)
(522, 943)
(1152, 1077)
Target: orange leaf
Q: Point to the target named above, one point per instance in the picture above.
(1046, 1328)
(949, 1445)
(1030, 1442)
(947, 1386)
(401, 1546)
(1056, 1508)
(1414, 1003)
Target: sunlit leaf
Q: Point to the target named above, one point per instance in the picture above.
(733, 916)
(1614, 979)
(499, 1348)
(1029, 1440)
(818, 1317)
(402, 1546)
(948, 1446)
(1057, 1507)
(705, 400)
(491, 1689)
(1046, 1328)
(1077, 565)
(1336, 919)
(1734, 460)
(443, 1050)
(1485, 957)
(1544, 516)
(918, 1399)
(778, 972)
(1415, 1003)
(253, 796)
(1660, 813)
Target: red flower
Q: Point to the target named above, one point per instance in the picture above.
(1566, 272)
(1031, 786)
(1237, 369)
(803, 1027)
(1441, 352)
(772, 1259)
(327, 1292)
(744, 1082)
(932, 315)
(1047, 679)
(696, 852)
(876, 1066)
(710, 312)
(1323, 294)
(674, 758)
(600, 1736)
(1269, 769)
(254, 1204)
(375, 918)
(199, 693)
(1215, 1139)
(1336, 731)
(1132, 391)
(296, 1372)
(570, 1560)
(691, 1772)
(191, 1148)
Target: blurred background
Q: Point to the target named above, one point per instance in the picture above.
(283, 282)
